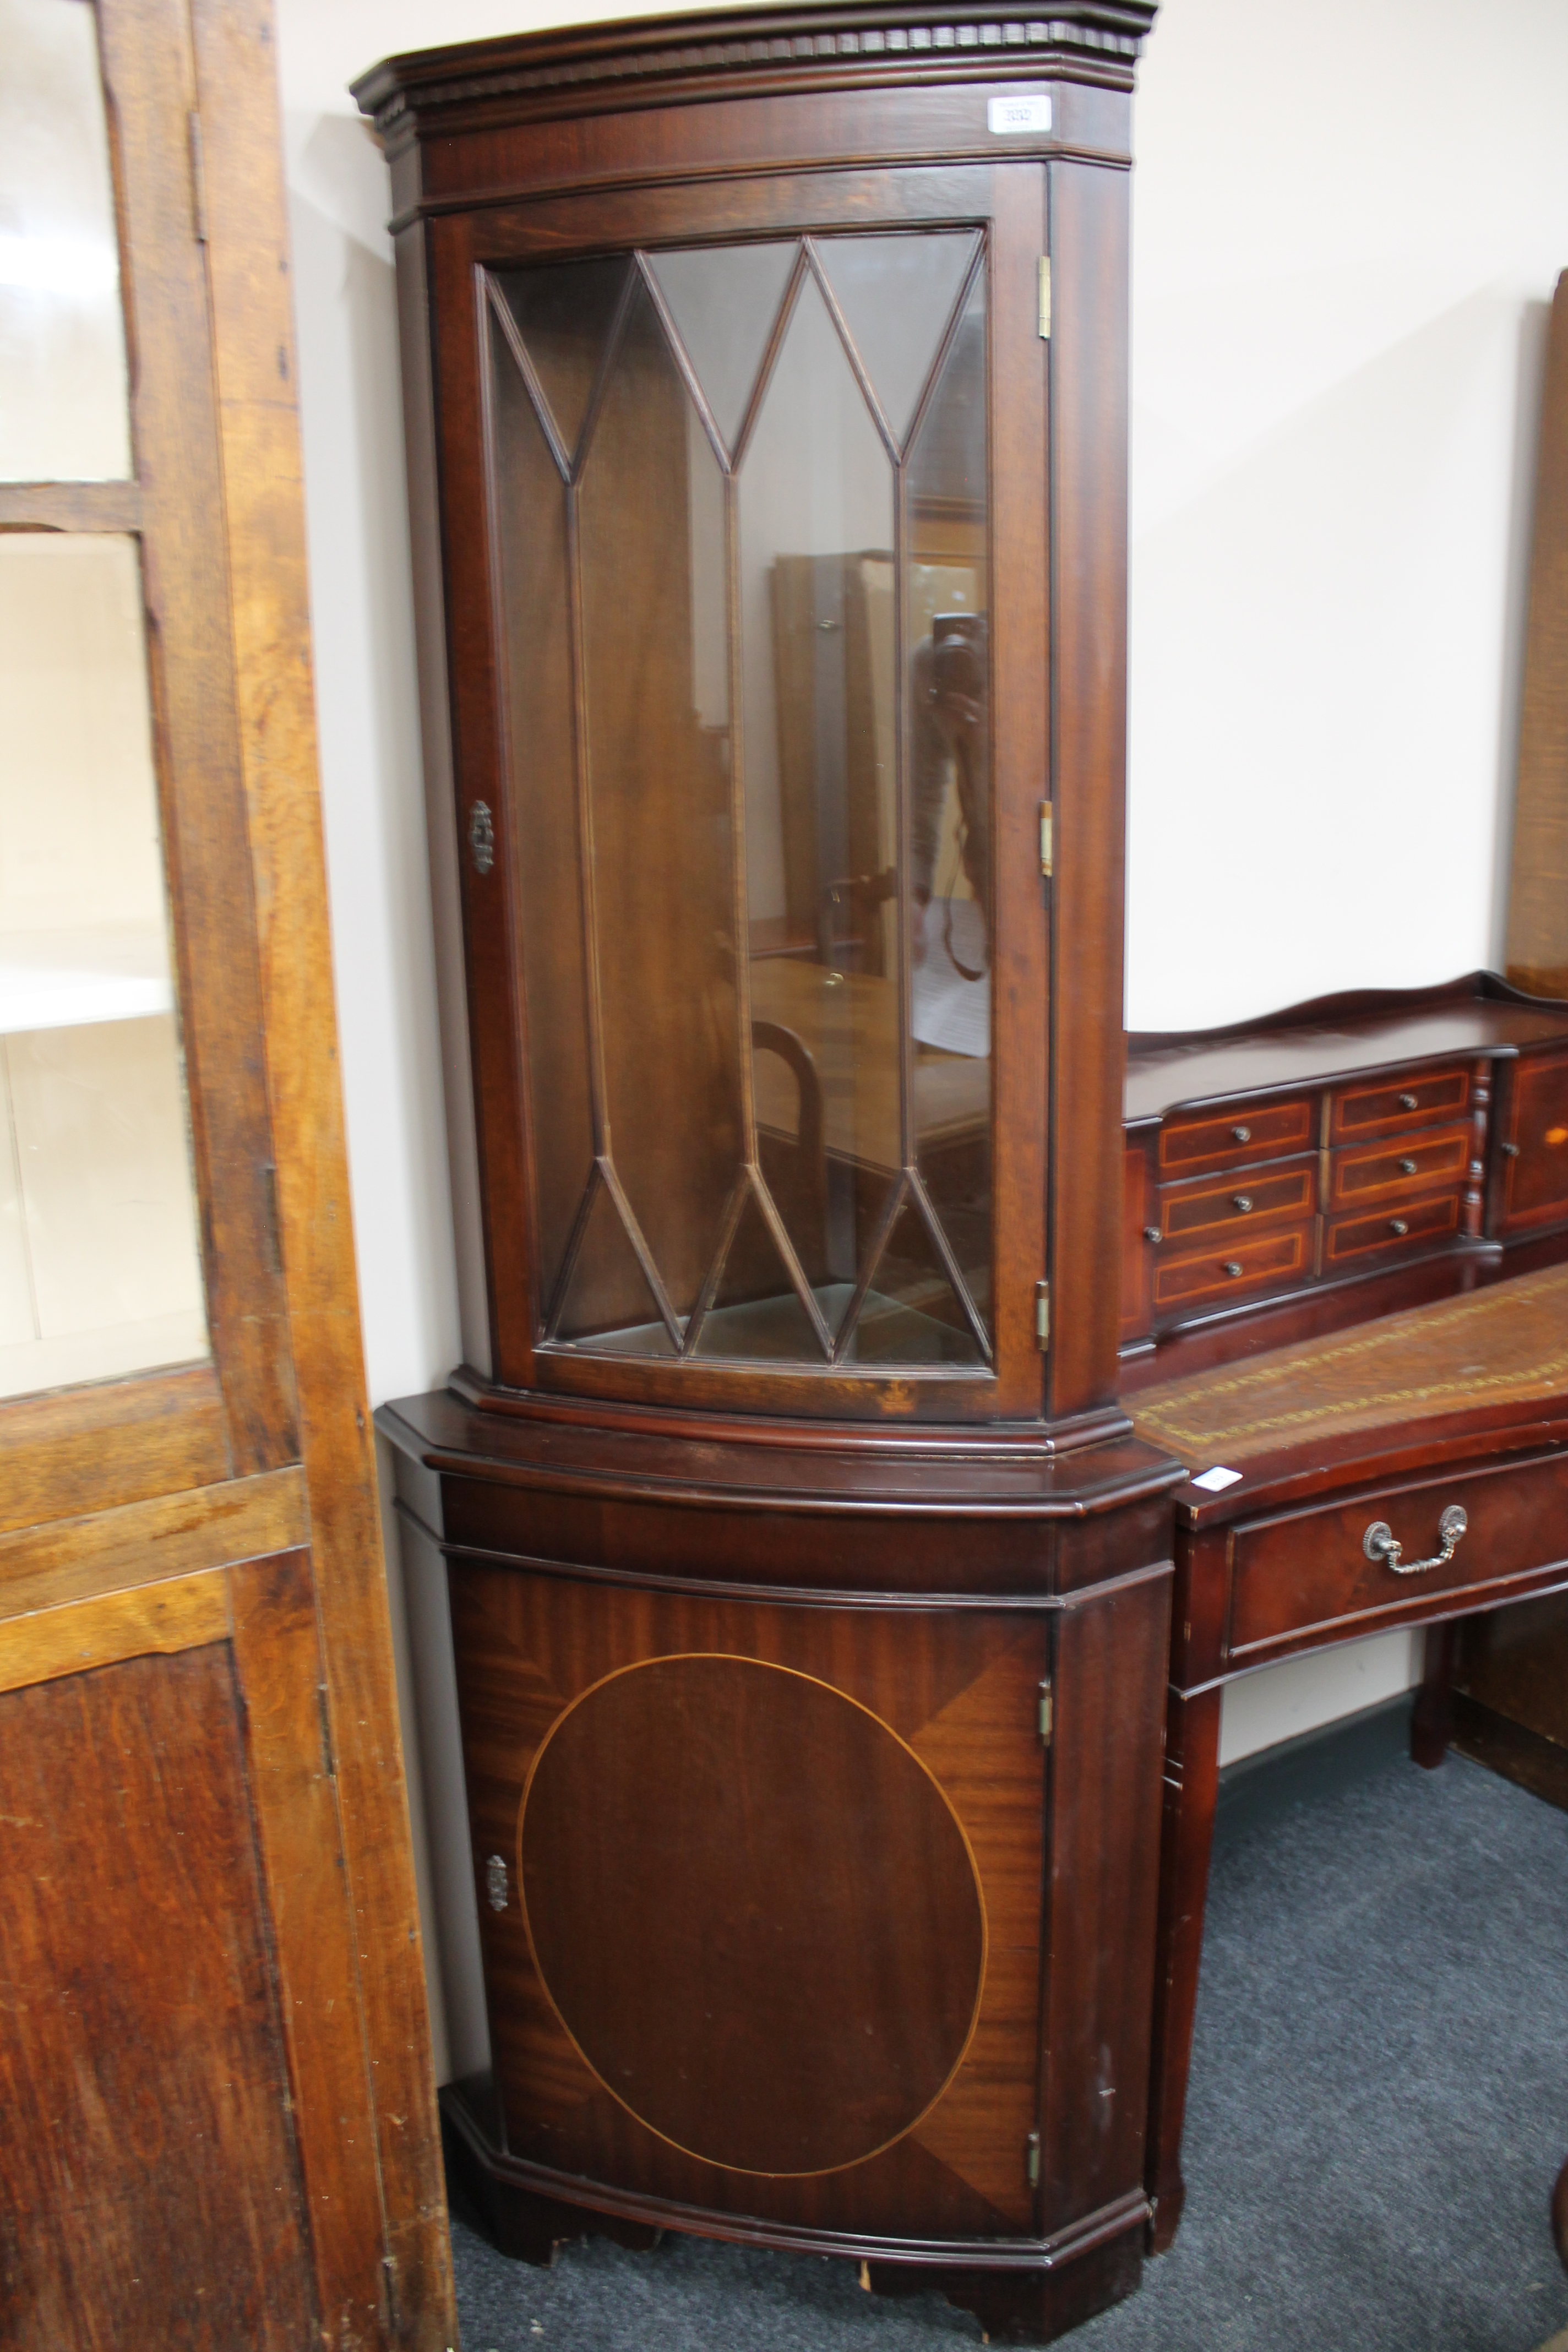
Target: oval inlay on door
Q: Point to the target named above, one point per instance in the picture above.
(754, 1910)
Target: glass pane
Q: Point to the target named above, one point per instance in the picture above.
(755, 1311)
(816, 502)
(64, 414)
(912, 1314)
(950, 801)
(864, 670)
(897, 295)
(608, 1302)
(563, 313)
(530, 531)
(724, 300)
(651, 507)
(100, 1271)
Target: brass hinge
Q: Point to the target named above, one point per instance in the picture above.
(198, 180)
(1032, 2160)
(1044, 298)
(1047, 1713)
(1042, 1315)
(1045, 850)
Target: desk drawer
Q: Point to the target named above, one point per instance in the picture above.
(1215, 1275)
(1222, 1207)
(1401, 1171)
(1246, 1131)
(1391, 1233)
(1307, 1572)
(1392, 1105)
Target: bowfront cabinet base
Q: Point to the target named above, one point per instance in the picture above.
(1027, 2293)
(814, 1806)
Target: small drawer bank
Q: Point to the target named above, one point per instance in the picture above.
(1418, 1139)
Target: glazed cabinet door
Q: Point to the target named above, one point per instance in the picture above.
(761, 1937)
(745, 528)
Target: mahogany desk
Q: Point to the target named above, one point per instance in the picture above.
(1392, 1425)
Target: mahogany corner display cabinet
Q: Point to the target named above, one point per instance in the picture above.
(766, 380)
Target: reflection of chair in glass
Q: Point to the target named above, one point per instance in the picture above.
(796, 1165)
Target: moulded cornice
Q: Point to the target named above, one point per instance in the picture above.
(660, 58)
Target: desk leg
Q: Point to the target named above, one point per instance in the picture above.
(1432, 1720)
(1191, 1787)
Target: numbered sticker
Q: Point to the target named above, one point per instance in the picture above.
(1011, 118)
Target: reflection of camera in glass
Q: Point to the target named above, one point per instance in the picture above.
(958, 655)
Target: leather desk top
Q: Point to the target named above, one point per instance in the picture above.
(1456, 1378)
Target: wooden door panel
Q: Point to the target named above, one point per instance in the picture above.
(878, 1775)
(149, 2185)
(178, 1816)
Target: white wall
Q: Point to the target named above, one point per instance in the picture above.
(1349, 215)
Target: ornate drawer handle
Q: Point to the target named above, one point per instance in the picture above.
(1407, 1102)
(1242, 1134)
(1379, 1543)
(1408, 1167)
(1232, 1265)
(1397, 1225)
(1242, 1200)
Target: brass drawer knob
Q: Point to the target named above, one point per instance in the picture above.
(1381, 1543)
(1408, 1167)
(1242, 1200)
(1397, 1225)
(1242, 1134)
(1510, 1151)
(1407, 1102)
(1232, 1265)
(1153, 1233)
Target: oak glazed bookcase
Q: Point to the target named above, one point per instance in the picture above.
(766, 396)
(217, 2108)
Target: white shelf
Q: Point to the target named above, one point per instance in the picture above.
(65, 979)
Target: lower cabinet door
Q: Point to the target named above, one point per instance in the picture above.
(184, 2110)
(760, 1889)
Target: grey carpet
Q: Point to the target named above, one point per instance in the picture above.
(1379, 2106)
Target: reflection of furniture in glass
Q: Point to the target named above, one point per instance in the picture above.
(809, 1600)
(219, 2109)
(1406, 1472)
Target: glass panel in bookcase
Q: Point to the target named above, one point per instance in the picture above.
(740, 513)
(63, 409)
(99, 1268)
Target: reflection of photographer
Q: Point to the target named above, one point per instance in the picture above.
(951, 731)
